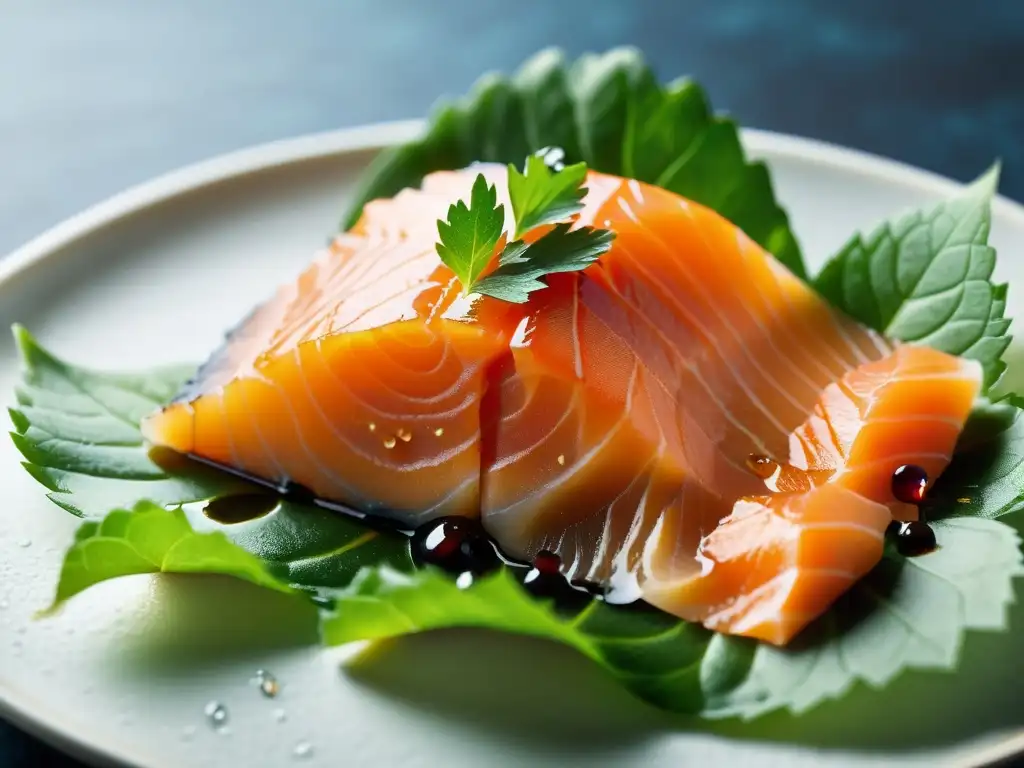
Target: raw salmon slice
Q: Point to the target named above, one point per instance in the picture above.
(684, 420)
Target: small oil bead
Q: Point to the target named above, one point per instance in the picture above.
(372, 426)
(404, 435)
(439, 431)
(389, 442)
(561, 459)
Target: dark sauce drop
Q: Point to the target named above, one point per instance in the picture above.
(456, 544)
(909, 483)
(544, 579)
(913, 538)
(762, 466)
(240, 508)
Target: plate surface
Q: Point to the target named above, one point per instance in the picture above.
(122, 675)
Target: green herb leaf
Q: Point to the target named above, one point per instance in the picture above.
(541, 195)
(309, 547)
(608, 111)
(987, 478)
(925, 277)
(522, 266)
(908, 613)
(150, 539)
(78, 430)
(472, 233)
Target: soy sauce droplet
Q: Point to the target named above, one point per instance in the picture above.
(909, 483)
(915, 538)
(457, 544)
(545, 576)
(762, 466)
(437, 541)
(547, 563)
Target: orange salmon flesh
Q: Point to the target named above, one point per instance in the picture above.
(685, 414)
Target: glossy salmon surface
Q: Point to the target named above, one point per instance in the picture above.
(685, 419)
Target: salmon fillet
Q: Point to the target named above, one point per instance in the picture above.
(684, 420)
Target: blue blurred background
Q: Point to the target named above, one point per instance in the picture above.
(97, 95)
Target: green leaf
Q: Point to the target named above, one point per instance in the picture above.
(561, 250)
(987, 478)
(908, 613)
(925, 277)
(68, 413)
(541, 195)
(609, 111)
(78, 431)
(471, 234)
(150, 539)
(309, 547)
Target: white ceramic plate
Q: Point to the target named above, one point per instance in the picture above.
(123, 674)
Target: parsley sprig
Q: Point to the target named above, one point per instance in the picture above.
(539, 196)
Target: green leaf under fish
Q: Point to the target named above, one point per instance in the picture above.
(609, 111)
(925, 277)
(377, 590)
(151, 539)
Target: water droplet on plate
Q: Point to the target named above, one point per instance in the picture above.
(303, 749)
(280, 715)
(4, 605)
(464, 580)
(217, 714)
(267, 683)
(25, 543)
(188, 732)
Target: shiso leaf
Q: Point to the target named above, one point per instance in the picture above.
(151, 539)
(906, 613)
(78, 431)
(609, 111)
(925, 277)
(67, 413)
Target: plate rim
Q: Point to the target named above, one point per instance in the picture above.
(29, 715)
